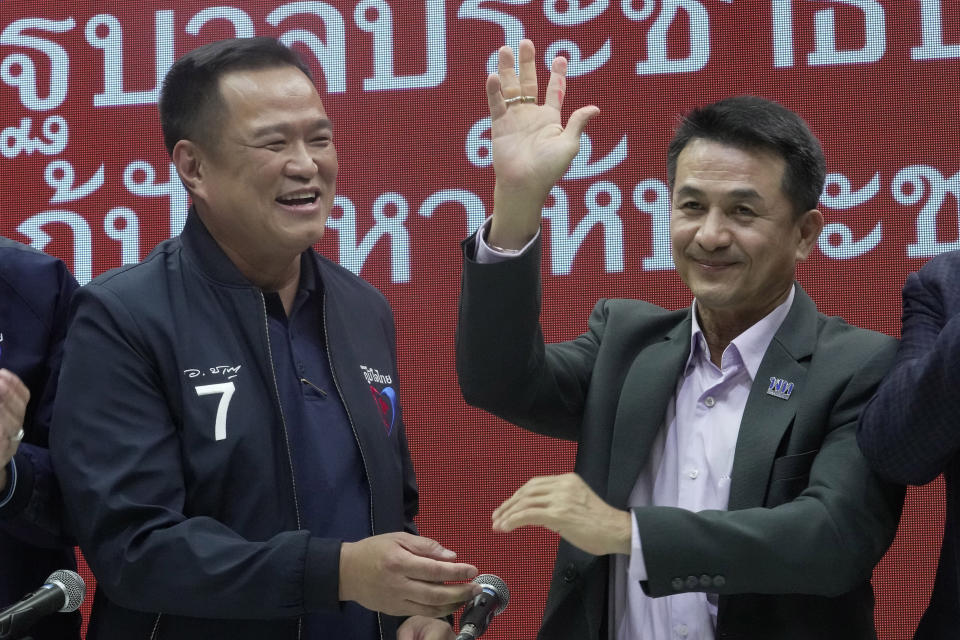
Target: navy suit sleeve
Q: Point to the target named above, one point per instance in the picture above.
(908, 431)
(44, 287)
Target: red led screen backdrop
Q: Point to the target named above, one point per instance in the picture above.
(85, 177)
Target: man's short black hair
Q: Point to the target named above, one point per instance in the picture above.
(751, 123)
(190, 102)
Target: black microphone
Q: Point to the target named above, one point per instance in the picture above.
(63, 591)
(486, 604)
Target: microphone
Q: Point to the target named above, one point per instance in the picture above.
(479, 611)
(63, 591)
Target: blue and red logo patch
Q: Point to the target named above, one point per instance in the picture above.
(387, 403)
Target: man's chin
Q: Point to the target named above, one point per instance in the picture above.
(716, 297)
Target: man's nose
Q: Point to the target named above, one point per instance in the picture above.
(713, 232)
(300, 163)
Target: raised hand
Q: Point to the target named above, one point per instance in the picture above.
(531, 148)
(401, 574)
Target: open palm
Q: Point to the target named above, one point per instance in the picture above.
(531, 147)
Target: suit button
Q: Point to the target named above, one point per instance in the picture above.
(719, 581)
(570, 573)
(692, 582)
(677, 584)
(706, 581)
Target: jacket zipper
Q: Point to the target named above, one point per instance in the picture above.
(283, 424)
(353, 428)
(156, 627)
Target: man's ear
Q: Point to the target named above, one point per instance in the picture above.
(810, 225)
(191, 165)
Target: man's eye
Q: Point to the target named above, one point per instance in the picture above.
(274, 145)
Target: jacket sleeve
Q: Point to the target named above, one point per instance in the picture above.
(908, 431)
(34, 513)
(116, 450)
(503, 365)
(846, 517)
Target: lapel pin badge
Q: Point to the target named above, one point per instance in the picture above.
(780, 388)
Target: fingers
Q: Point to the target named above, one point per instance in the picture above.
(423, 628)
(528, 69)
(543, 501)
(442, 598)
(426, 547)
(427, 569)
(402, 574)
(495, 97)
(13, 392)
(511, 86)
(509, 83)
(557, 85)
(14, 397)
(566, 505)
(526, 506)
(578, 121)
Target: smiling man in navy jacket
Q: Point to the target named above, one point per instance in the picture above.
(228, 433)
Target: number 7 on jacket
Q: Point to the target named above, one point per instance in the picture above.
(227, 389)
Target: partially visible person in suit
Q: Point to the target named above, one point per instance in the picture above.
(718, 489)
(35, 291)
(909, 431)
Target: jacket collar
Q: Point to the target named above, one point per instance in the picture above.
(766, 416)
(639, 416)
(203, 251)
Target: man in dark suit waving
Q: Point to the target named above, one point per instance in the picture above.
(718, 488)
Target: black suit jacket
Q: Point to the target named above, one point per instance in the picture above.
(807, 520)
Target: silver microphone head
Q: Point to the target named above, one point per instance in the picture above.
(73, 587)
(498, 586)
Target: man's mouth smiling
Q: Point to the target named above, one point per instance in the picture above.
(299, 198)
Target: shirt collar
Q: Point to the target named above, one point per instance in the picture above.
(308, 286)
(751, 345)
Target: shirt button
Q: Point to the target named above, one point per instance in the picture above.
(709, 401)
(693, 473)
(681, 630)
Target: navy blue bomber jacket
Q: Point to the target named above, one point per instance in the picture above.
(172, 450)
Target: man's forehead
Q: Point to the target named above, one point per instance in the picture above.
(706, 163)
(692, 188)
(280, 81)
(704, 149)
(263, 95)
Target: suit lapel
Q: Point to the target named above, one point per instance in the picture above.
(647, 388)
(766, 417)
